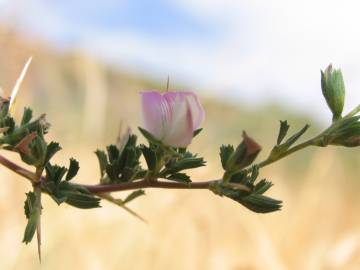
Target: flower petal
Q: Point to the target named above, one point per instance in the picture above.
(153, 113)
(179, 130)
(197, 111)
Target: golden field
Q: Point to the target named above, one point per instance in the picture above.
(318, 227)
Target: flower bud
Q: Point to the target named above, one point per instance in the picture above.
(173, 117)
(244, 154)
(333, 89)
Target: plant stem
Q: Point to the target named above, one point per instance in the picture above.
(150, 184)
(17, 169)
(294, 149)
(98, 189)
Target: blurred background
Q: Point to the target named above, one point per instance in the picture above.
(251, 62)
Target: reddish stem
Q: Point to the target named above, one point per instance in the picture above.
(97, 189)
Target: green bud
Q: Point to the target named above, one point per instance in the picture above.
(333, 89)
(33, 150)
(243, 155)
(345, 132)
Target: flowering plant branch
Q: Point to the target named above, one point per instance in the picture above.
(171, 121)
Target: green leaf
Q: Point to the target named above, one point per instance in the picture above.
(184, 164)
(197, 132)
(179, 177)
(103, 162)
(73, 195)
(73, 169)
(30, 229)
(8, 122)
(253, 200)
(27, 115)
(284, 127)
(254, 174)
(260, 203)
(133, 195)
(52, 149)
(296, 136)
(150, 157)
(149, 136)
(55, 173)
(32, 208)
(113, 153)
(262, 186)
(225, 152)
(29, 203)
(112, 171)
(82, 200)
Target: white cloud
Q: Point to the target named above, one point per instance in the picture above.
(260, 50)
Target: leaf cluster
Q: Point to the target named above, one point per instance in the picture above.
(120, 164)
(239, 183)
(57, 185)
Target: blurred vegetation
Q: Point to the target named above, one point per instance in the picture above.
(86, 100)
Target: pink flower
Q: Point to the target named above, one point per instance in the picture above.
(172, 117)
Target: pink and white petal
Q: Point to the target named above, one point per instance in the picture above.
(179, 132)
(198, 113)
(153, 113)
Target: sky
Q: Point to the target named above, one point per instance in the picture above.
(241, 50)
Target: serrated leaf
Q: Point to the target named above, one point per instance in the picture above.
(225, 152)
(30, 229)
(149, 136)
(150, 157)
(113, 153)
(284, 127)
(103, 162)
(260, 203)
(81, 200)
(133, 195)
(32, 209)
(52, 149)
(179, 177)
(27, 115)
(55, 173)
(239, 177)
(73, 169)
(9, 123)
(254, 174)
(254, 201)
(112, 172)
(29, 203)
(184, 164)
(74, 195)
(262, 186)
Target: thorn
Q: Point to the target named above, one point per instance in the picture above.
(17, 84)
(38, 228)
(38, 235)
(119, 202)
(132, 212)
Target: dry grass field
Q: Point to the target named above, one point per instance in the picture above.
(318, 227)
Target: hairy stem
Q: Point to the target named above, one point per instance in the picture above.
(98, 189)
(290, 151)
(150, 184)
